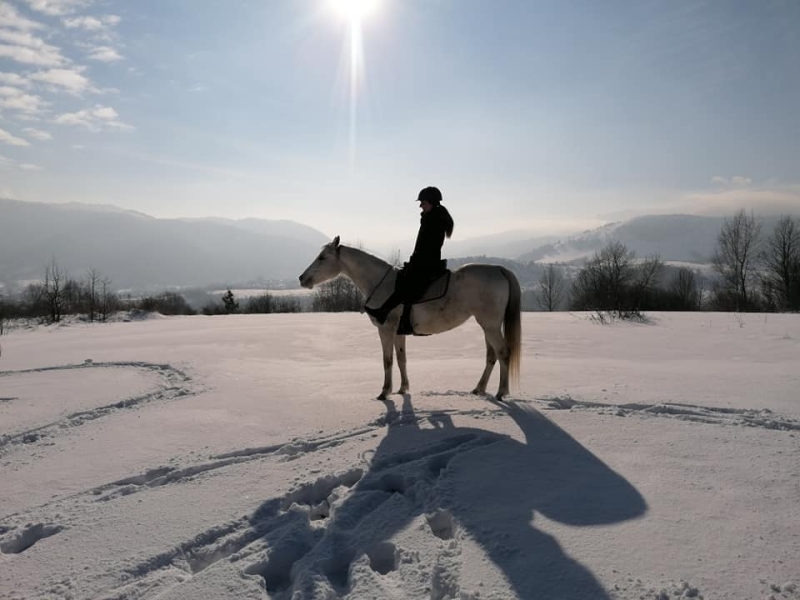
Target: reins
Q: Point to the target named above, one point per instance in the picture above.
(372, 293)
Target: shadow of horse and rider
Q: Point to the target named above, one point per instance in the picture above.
(463, 479)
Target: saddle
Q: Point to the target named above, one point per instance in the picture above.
(416, 288)
(427, 286)
(422, 287)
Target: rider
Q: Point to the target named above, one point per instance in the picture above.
(426, 261)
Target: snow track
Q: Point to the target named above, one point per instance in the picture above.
(173, 384)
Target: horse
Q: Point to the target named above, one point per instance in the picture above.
(490, 293)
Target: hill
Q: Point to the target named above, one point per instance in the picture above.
(140, 251)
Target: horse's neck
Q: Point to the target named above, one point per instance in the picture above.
(364, 269)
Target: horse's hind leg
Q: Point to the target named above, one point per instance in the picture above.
(491, 359)
(400, 350)
(495, 338)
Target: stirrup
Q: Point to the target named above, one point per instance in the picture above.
(404, 327)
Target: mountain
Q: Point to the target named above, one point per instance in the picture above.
(684, 238)
(136, 250)
(272, 228)
(508, 244)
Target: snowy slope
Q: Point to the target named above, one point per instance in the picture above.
(245, 456)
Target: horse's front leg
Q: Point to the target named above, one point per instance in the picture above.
(387, 335)
(400, 350)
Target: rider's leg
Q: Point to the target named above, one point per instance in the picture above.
(380, 314)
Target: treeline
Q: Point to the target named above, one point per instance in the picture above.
(92, 297)
(753, 271)
(58, 294)
(337, 295)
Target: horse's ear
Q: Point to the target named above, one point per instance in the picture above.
(336, 242)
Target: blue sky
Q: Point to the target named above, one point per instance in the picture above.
(548, 116)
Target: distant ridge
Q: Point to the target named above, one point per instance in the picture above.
(679, 238)
(140, 251)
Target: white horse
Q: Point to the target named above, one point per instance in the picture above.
(490, 293)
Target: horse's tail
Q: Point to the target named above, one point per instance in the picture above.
(512, 325)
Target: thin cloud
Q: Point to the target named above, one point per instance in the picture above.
(22, 38)
(29, 167)
(761, 200)
(11, 140)
(46, 56)
(15, 99)
(92, 23)
(10, 18)
(18, 43)
(100, 29)
(38, 134)
(57, 8)
(104, 54)
(735, 181)
(95, 119)
(14, 79)
(69, 80)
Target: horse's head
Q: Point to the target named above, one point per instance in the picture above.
(326, 266)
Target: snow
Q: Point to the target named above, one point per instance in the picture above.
(245, 456)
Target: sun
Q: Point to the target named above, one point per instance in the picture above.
(355, 10)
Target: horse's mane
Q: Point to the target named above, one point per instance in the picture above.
(367, 256)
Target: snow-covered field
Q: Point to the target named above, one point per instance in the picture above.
(246, 457)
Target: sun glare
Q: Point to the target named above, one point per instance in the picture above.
(355, 10)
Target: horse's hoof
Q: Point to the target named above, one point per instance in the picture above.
(381, 396)
(478, 392)
(402, 391)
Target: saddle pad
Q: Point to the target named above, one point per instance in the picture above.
(435, 290)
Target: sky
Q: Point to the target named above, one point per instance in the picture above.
(544, 116)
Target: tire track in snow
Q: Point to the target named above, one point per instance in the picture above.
(174, 384)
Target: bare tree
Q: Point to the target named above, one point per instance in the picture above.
(684, 289)
(53, 290)
(263, 303)
(782, 260)
(91, 286)
(604, 282)
(338, 295)
(107, 299)
(3, 316)
(396, 258)
(550, 290)
(736, 258)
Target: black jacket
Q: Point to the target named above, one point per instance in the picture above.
(434, 226)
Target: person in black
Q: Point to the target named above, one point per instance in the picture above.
(425, 263)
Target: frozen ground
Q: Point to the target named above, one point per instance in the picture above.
(246, 457)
